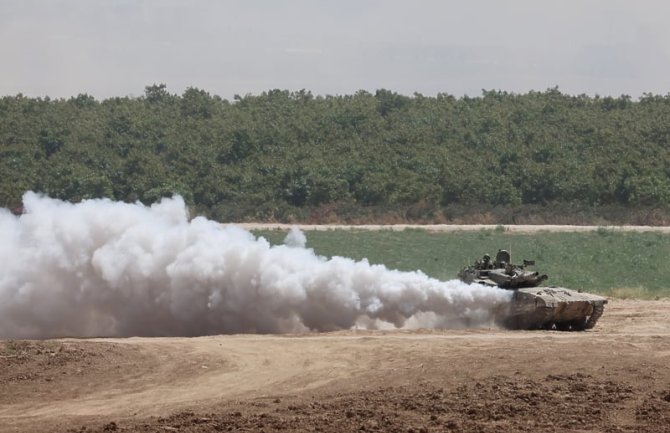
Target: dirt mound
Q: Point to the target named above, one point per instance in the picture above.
(43, 359)
(47, 368)
(574, 402)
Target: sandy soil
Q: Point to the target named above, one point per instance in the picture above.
(614, 378)
(447, 228)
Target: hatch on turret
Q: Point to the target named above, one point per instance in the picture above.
(503, 256)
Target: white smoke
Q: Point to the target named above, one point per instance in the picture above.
(117, 269)
(295, 238)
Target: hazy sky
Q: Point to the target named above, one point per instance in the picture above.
(114, 48)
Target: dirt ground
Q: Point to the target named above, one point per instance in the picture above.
(614, 378)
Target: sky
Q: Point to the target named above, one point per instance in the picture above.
(105, 48)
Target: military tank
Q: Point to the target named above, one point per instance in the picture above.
(534, 306)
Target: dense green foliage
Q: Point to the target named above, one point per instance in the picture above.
(292, 156)
(606, 262)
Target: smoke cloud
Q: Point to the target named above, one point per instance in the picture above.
(104, 268)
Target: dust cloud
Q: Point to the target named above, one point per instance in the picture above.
(105, 268)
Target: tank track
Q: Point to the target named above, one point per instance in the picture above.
(597, 312)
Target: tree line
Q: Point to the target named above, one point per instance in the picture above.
(293, 156)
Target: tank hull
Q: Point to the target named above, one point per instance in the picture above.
(551, 308)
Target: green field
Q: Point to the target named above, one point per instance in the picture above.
(607, 262)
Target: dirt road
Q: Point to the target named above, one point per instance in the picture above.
(448, 228)
(615, 377)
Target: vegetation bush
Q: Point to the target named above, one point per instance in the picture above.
(285, 156)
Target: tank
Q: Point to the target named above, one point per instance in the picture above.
(534, 306)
